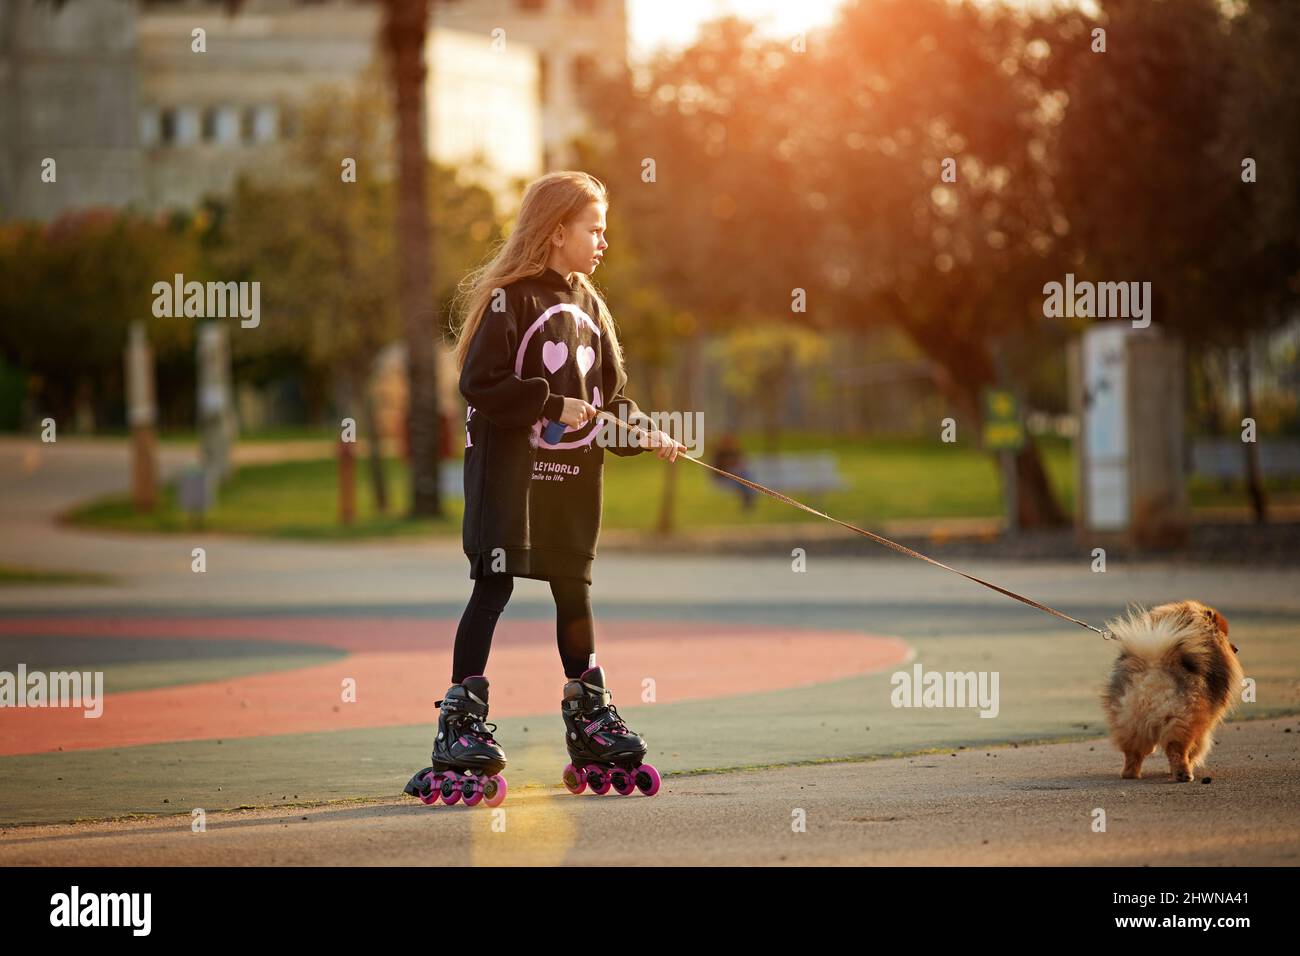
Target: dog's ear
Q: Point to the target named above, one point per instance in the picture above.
(1221, 623)
(1217, 619)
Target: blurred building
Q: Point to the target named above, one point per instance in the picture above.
(113, 91)
(68, 92)
(573, 39)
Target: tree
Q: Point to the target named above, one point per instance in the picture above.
(70, 288)
(822, 170)
(1260, 255)
(325, 238)
(321, 247)
(1149, 165)
(933, 155)
(404, 31)
(403, 35)
(716, 225)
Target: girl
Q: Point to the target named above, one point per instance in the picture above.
(537, 347)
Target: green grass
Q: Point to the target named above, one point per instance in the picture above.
(1208, 493)
(13, 574)
(294, 499)
(887, 479)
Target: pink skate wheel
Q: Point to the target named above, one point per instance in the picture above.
(647, 779)
(451, 785)
(431, 783)
(622, 781)
(494, 790)
(472, 790)
(574, 781)
(597, 779)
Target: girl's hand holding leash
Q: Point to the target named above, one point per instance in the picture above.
(668, 448)
(577, 412)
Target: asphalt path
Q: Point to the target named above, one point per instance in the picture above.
(1056, 804)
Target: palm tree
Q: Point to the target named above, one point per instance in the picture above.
(404, 29)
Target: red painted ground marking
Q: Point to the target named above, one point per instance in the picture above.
(397, 683)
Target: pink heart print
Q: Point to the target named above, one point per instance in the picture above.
(554, 355)
(586, 358)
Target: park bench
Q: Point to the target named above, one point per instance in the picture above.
(1222, 459)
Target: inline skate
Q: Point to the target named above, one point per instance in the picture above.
(603, 751)
(467, 762)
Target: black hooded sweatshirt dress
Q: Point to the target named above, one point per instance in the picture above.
(532, 509)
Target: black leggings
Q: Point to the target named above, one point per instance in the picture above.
(574, 629)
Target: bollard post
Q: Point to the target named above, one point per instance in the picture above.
(347, 483)
(141, 414)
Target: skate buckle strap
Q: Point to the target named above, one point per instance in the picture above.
(459, 705)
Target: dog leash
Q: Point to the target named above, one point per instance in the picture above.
(879, 539)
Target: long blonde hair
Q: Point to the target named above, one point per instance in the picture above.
(549, 201)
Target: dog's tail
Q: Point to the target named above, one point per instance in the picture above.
(1146, 638)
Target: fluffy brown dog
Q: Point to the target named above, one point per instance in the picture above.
(1174, 680)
